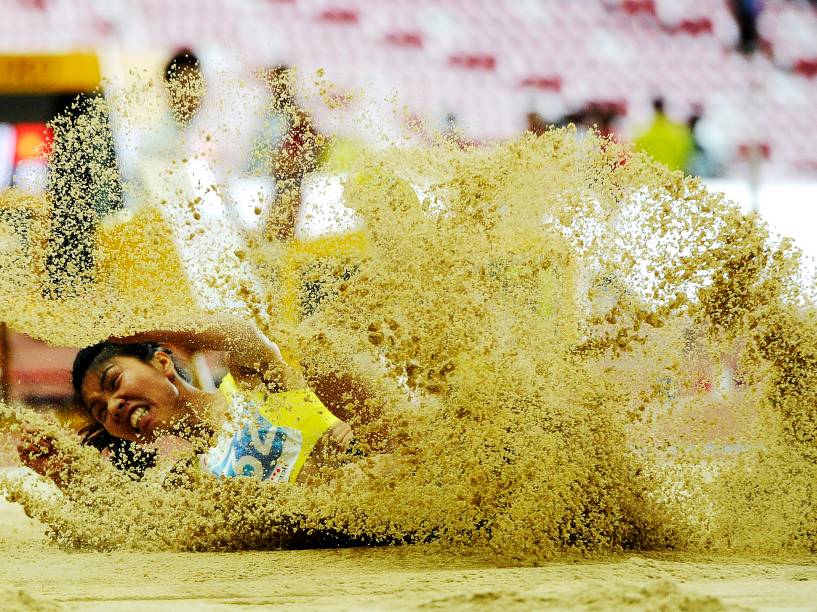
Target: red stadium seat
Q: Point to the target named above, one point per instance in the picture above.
(473, 61)
(339, 16)
(405, 39)
(636, 7)
(491, 62)
(548, 83)
(806, 67)
(747, 149)
(702, 25)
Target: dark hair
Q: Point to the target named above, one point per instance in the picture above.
(101, 352)
(184, 59)
(125, 455)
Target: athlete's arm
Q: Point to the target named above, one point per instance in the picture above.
(249, 352)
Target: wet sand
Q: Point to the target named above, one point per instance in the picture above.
(39, 576)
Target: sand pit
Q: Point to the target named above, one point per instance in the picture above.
(593, 386)
(39, 576)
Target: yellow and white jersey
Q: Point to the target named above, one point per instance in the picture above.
(270, 435)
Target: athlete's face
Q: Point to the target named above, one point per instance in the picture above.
(132, 399)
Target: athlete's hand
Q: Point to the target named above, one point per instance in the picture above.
(340, 436)
(38, 451)
(328, 452)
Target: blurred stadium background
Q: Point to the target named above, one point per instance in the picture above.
(736, 80)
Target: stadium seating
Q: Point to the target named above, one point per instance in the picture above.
(489, 62)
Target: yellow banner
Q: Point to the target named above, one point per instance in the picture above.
(43, 74)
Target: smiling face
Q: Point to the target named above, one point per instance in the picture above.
(132, 399)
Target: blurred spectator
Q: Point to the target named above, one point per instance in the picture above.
(452, 129)
(701, 161)
(665, 140)
(184, 158)
(598, 115)
(746, 13)
(602, 116)
(536, 123)
(188, 151)
(454, 132)
(171, 136)
(288, 148)
(83, 185)
(577, 118)
(185, 86)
